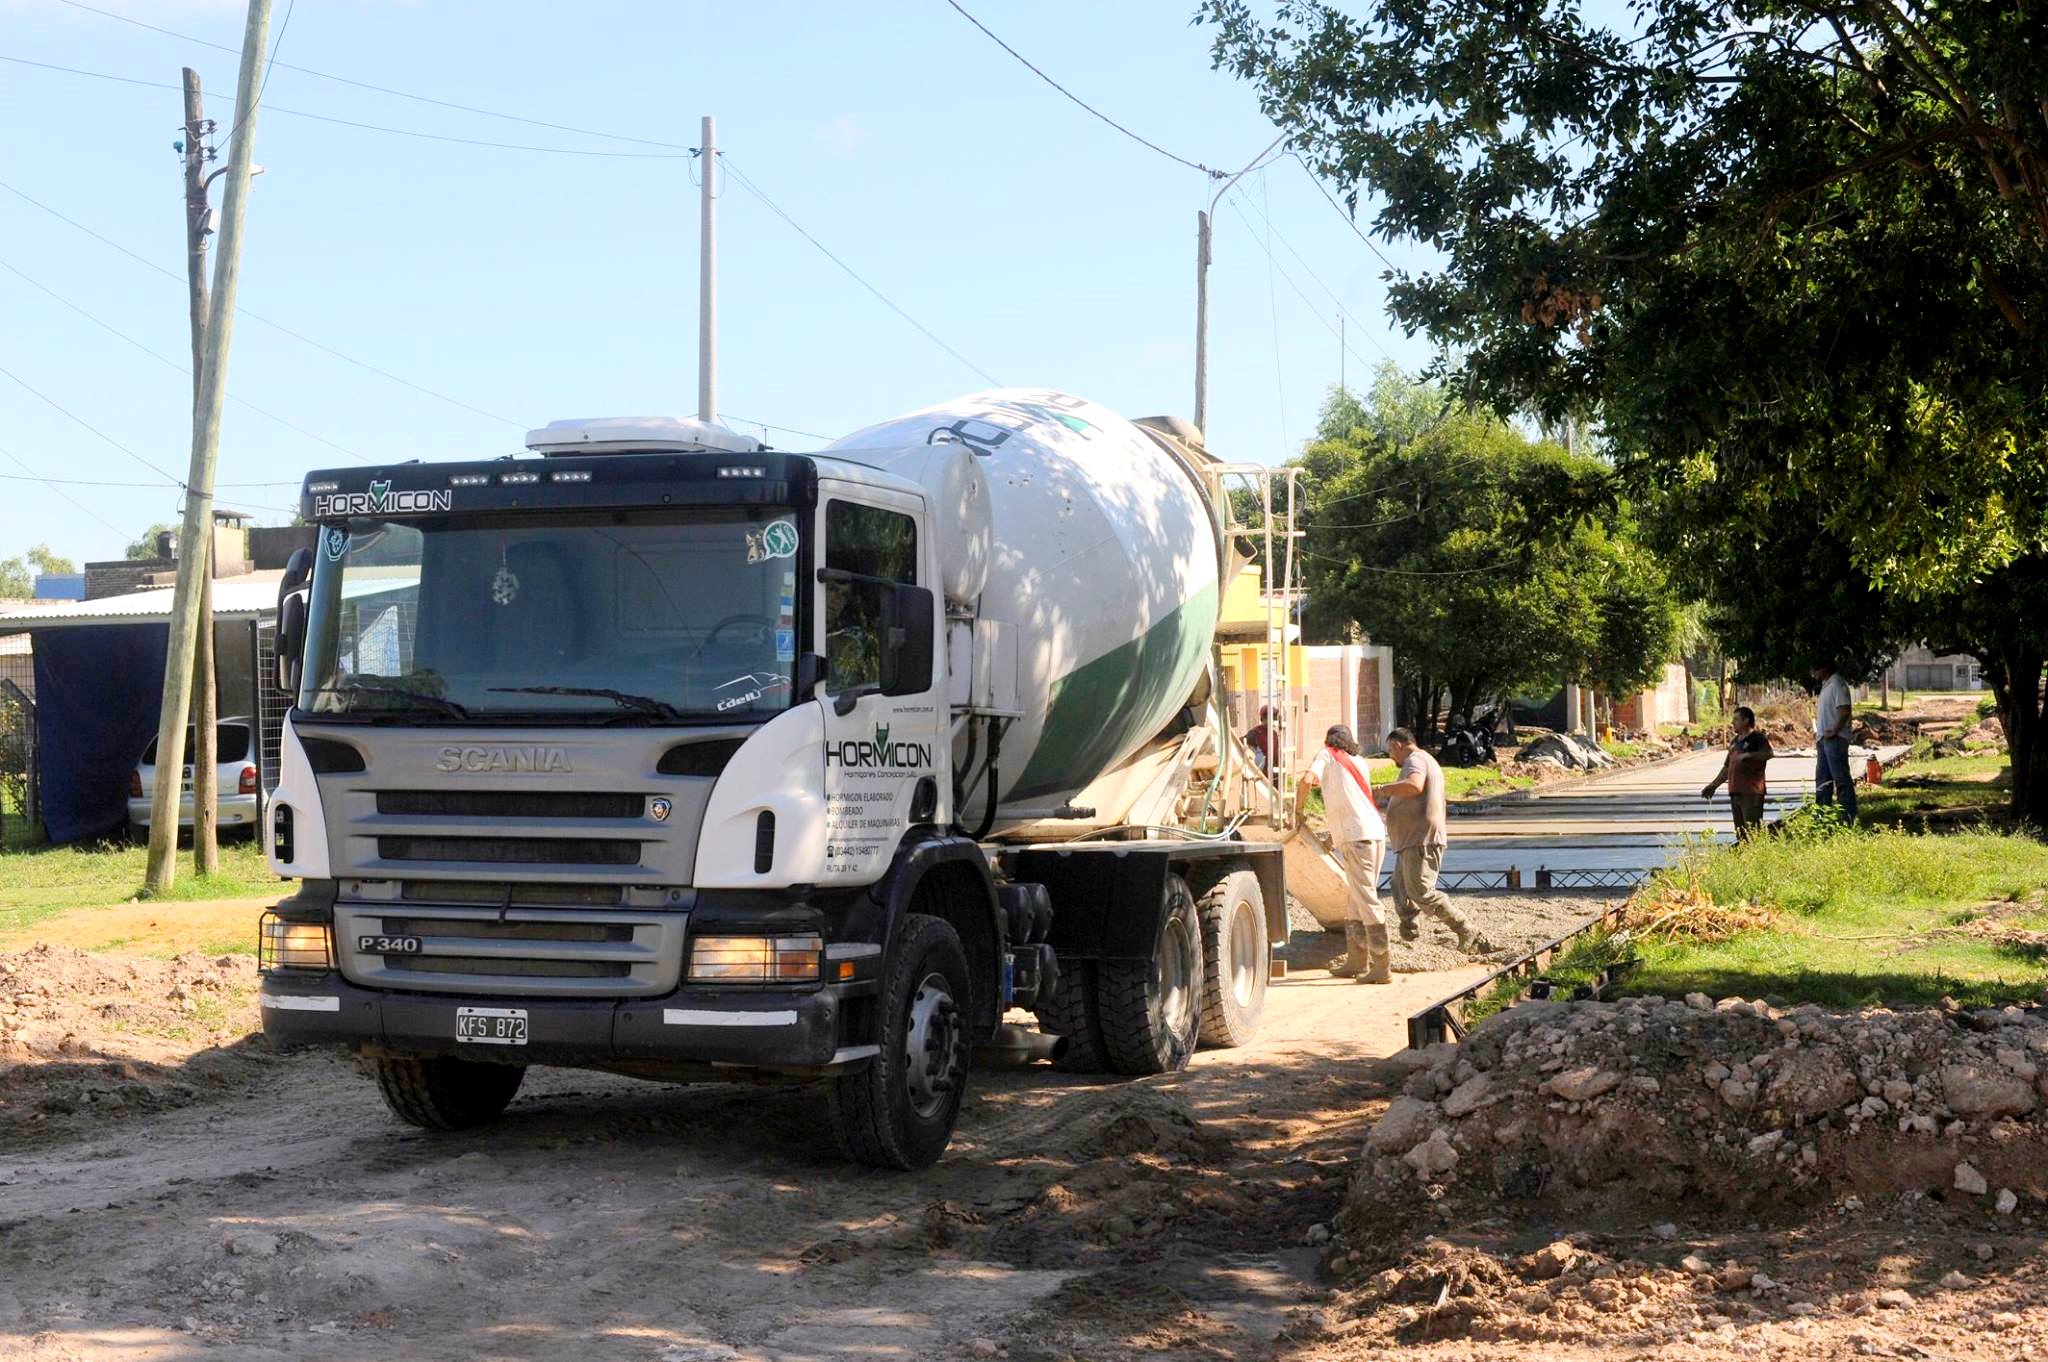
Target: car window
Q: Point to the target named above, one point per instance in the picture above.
(231, 743)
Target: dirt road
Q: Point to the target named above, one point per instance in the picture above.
(276, 1209)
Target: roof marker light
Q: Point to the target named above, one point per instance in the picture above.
(518, 479)
(323, 487)
(469, 480)
(581, 475)
(742, 471)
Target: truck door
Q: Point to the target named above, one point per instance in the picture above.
(881, 750)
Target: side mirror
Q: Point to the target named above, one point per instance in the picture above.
(291, 619)
(908, 621)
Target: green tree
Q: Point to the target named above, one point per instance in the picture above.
(45, 560)
(15, 583)
(1490, 563)
(1792, 253)
(144, 547)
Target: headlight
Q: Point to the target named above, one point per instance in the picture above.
(755, 959)
(293, 945)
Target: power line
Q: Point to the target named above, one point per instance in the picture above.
(1266, 215)
(115, 331)
(1273, 310)
(1314, 311)
(51, 483)
(1338, 208)
(107, 482)
(1026, 61)
(258, 317)
(775, 208)
(1408, 572)
(386, 90)
(369, 127)
(80, 420)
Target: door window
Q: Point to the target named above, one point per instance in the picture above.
(880, 548)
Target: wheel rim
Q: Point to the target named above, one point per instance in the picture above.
(1244, 952)
(931, 1046)
(1176, 973)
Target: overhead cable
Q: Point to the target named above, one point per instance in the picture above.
(1212, 173)
(51, 483)
(387, 90)
(725, 160)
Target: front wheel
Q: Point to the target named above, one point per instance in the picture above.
(439, 1092)
(899, 1112)
(1151, 1010)
(1235, 959)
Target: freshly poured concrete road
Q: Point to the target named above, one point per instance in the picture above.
(1632, 820)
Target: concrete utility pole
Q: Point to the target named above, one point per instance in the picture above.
(205, 715)
(707, 278)
(192, 567)
(1202, 288)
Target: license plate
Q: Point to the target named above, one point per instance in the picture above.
(491, 1025)
(387, 945)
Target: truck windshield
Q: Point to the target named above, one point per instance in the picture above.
(685, 616)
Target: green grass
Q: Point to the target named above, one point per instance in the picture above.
(43, 881)
(1866, 917)
(1925, 791)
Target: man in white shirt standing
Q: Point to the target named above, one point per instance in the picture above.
(1832, 782)
(1359, 838)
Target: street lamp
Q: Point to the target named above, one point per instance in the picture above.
(1202, 287)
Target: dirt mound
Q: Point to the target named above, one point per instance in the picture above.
(1629, 1108)
(85, 1038)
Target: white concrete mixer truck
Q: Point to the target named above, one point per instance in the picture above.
(670, 755)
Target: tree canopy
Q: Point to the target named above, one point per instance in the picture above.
(1491, 563)
(17, 575)
(1794, 255)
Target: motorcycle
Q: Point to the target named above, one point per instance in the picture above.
(1469, 744)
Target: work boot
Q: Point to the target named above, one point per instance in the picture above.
(1471, 940)
(1410, 929)
(1357, 958)
(1380, 956)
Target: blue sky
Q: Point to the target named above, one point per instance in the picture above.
(1037, 242)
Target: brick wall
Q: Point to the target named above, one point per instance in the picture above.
(123, 576)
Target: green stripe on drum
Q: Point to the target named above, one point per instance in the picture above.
(1110, 706)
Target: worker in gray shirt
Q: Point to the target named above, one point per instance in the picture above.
(1417, 833)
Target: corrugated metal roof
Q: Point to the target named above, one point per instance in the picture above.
(247, 597)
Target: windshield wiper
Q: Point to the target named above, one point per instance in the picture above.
(435, 702)
(645, 704)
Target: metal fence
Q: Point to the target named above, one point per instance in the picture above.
(21, 802)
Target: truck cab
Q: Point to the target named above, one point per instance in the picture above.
(640, 756)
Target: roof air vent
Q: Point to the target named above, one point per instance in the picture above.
(639, 435)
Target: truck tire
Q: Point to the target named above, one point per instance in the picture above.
(1151, 1012)
(1235, 959)
(440, 1092)
(899, 1111)
(1071, 1012)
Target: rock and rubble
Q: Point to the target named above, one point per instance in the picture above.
(1638, 1108)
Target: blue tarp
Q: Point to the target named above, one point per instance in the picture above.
(98, 690)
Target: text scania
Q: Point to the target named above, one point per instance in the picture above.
(481, 759)
(867, 754)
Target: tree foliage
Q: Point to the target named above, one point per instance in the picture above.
(17, 575)
(1793, 253)
(1492, 564)
(144, 546)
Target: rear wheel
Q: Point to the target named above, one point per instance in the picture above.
(1150, 1011)
(900, 1110)
(1235, 959)
(1071, 1012)
(439, 1092)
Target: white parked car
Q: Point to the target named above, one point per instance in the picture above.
(239, 793)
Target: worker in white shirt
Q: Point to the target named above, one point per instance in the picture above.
(1832, 729)
(1358, 836)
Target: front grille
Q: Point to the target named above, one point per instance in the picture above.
(522, 969)
(507, 931)
(513, 850)
(518, 895)
(510, 804)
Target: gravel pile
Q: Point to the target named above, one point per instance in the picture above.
(1641, 1107)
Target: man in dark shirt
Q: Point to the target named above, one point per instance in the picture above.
(1748, 755)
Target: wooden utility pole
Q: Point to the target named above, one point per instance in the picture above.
(192, 567)
(205, 716)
